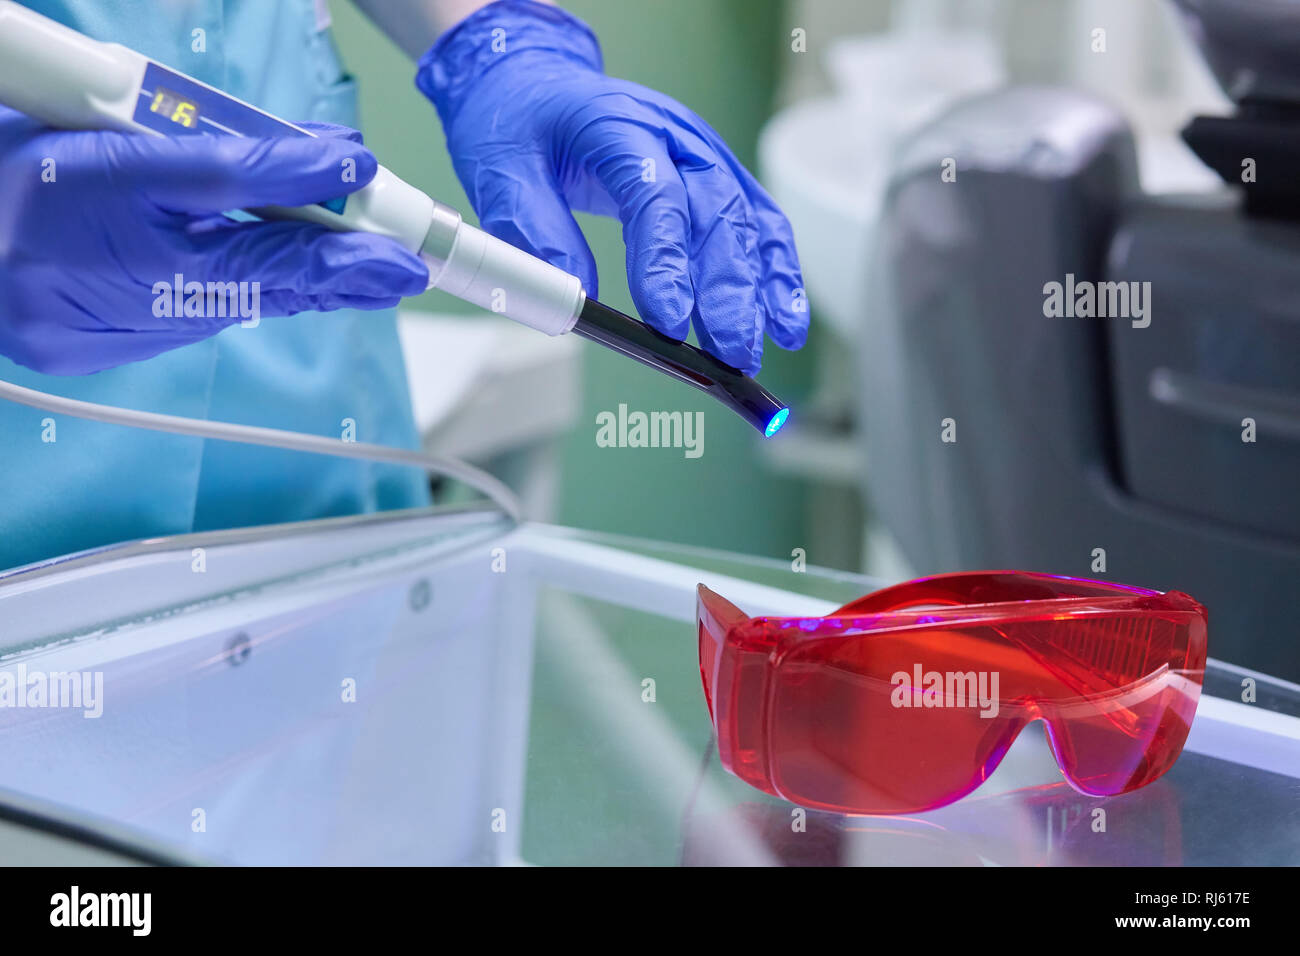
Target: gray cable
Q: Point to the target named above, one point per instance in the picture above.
(251, 435)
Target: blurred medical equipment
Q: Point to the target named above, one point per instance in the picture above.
(828, 154)
(64, 78)
(1158, 444)
(826, 160)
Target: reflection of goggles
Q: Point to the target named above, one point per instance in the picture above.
(908, 698)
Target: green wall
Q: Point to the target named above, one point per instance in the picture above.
(721, 58)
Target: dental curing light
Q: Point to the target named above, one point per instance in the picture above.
(66, 79)
(684, 362)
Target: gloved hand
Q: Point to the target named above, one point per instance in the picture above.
(90, 221)
(536, 129)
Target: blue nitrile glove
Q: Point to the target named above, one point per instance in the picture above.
(90, 221)
(536, 129)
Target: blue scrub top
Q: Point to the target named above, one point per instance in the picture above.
(98, 484)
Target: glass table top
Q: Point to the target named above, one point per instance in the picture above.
(443, 686)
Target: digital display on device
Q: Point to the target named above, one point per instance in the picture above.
(175, 107)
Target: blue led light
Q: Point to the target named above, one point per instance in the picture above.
(777, 421)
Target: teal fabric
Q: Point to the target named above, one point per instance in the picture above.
(98, 484)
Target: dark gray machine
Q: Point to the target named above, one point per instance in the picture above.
(1125, 438)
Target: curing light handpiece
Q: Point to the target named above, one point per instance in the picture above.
(684, 362)
(70, 81)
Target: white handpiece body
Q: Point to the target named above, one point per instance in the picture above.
(70, 81)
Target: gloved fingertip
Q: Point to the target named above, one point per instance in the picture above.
(329, 166)
(789, 337)
(729, 316)
(333, 131)
(749, 362)
(787, 311)
(411, 274)
(790, 340)
(665, 301)
(402, 280)
(739, 355)
(410, 282)
(356, 165)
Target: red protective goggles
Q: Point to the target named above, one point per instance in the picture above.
(908, 698)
